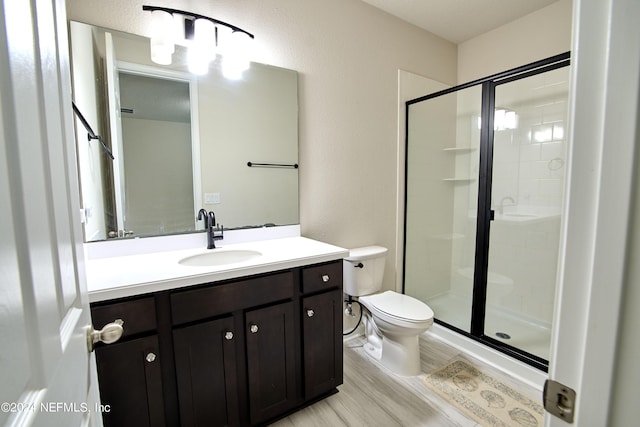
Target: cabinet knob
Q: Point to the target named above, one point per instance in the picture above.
(325, 277)
(150, 357)
(228, 335)
(109, 334)
(253, 329)
(310, 313)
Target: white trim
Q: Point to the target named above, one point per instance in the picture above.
(192, 81)
(115, 130)
(603, 107)
(195, 147)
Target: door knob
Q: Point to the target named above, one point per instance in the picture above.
(110, 333)
(310, 313)
(254, 329)
(150, 357)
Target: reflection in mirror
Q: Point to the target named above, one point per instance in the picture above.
(156, 130)
(181, 142)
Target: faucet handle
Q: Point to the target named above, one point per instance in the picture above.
(218, 233)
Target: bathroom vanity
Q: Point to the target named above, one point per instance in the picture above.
(238, 343)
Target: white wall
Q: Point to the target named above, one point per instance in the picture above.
(347, 54)
(538, 35)
(89, 152)
(254, 121)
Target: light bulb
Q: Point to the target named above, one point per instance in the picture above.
(205, 38)
(237, 55)
(202, 51)
(162, 46)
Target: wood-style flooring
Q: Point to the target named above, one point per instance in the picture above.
(373, 396)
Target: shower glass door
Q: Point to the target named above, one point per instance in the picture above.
(442, 194)
(529, 145)
(484, 190)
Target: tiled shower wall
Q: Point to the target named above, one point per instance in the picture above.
(529, 166)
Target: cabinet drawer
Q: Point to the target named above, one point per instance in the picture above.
(214, 300)
(139, 315)
(321, 277)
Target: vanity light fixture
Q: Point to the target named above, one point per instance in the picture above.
(204, 37)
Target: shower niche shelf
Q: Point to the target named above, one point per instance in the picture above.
(459, 150)
(461, 180)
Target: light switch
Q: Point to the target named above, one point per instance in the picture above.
(211, 198)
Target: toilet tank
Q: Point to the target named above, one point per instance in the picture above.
(363, 270)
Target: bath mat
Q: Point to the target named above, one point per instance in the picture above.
(483, 398)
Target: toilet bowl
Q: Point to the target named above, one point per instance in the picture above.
(392, 321)
(397, 321)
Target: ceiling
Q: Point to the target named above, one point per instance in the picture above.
(459, 20)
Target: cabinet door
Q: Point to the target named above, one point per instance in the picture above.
(205, 358)
(129, 374)
(271, 352)
(322, 342)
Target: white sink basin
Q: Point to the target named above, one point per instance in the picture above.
(219, 257)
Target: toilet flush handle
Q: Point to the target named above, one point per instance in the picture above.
(359, 265)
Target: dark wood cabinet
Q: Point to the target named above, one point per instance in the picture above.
(271, 353)
(130, 380)
(322, 342)
(205, 358)
(230, 353)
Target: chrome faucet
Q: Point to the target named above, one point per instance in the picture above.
(501, 207)
(213, 233)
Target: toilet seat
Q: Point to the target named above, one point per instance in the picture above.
(398, 306)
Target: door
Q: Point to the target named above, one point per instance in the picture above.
(131, 383)
(205, 356)
(271, 361)
(485, 172)
(442, 158)
(47, 374)
(322, 342)
(595, 338)
(526, 197)
(156, 129)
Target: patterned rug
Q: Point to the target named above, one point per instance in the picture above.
(483, 398)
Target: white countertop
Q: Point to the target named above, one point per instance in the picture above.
(123, 276)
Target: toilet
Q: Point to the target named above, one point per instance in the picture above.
(392, 321)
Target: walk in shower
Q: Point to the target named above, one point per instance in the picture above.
(484, 187)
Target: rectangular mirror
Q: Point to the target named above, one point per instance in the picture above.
(180, 142)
